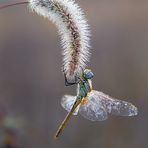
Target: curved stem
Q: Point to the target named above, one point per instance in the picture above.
(73, 29)
(14, 4)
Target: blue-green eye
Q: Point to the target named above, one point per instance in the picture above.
(88, 74)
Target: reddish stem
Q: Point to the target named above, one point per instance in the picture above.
(14, 4)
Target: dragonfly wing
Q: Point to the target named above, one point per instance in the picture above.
(116, 107)
(93, 109)
(67, 103)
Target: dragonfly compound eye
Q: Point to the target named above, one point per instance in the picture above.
(88, 74)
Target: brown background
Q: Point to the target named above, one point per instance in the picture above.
(32, 84)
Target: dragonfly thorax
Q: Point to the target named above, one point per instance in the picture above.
(84, 88)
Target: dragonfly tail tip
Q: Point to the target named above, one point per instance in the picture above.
(55, 137)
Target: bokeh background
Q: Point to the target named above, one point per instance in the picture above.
(32, 84)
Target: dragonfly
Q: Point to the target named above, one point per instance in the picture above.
(91, 104)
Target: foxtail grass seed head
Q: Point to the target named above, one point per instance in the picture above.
(73, 30)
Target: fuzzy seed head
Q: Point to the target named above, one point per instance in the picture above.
(73, 29)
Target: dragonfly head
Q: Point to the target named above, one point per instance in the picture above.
(88, 74)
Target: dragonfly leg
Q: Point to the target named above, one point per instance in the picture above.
(76, 81)
(68, 83)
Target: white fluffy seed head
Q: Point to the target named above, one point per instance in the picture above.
(73, 29)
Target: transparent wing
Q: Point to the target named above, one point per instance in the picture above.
(67, 103)
(93, 109)
(114, 106)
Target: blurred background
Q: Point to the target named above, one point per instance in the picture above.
(32, 84)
